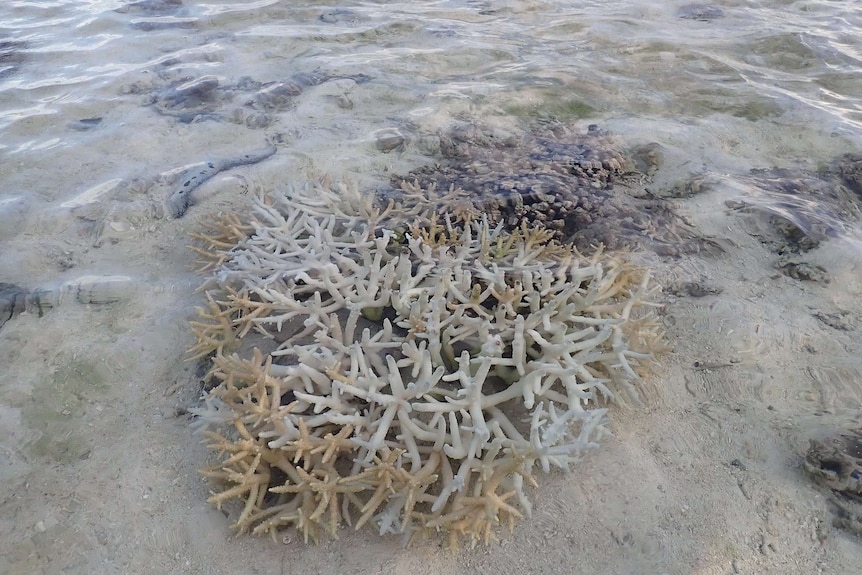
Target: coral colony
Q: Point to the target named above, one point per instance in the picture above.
(407, 366)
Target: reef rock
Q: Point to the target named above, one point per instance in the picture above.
(577, 185)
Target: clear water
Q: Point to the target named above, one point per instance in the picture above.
(92, 108)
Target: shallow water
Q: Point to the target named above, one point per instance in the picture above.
(729, 86)
(98, 98)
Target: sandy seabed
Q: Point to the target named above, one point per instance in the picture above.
(100, 470)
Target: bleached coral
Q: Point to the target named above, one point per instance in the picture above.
(417, 368)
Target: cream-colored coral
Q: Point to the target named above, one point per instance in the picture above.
(412, 379)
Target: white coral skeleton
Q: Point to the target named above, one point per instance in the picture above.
(413, 380)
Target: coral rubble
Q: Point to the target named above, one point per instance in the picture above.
(395, 366)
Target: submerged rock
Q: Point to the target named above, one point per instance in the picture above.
(96, 290)
(12, 55)
(804, 208)
(151, 6)
(246, 101)
(701, 12)
(836, 464)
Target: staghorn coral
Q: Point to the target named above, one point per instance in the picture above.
(397, 366)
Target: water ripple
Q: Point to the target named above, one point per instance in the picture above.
(783, 65)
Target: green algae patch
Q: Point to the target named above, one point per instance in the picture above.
(551, 104)
(754, 111)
